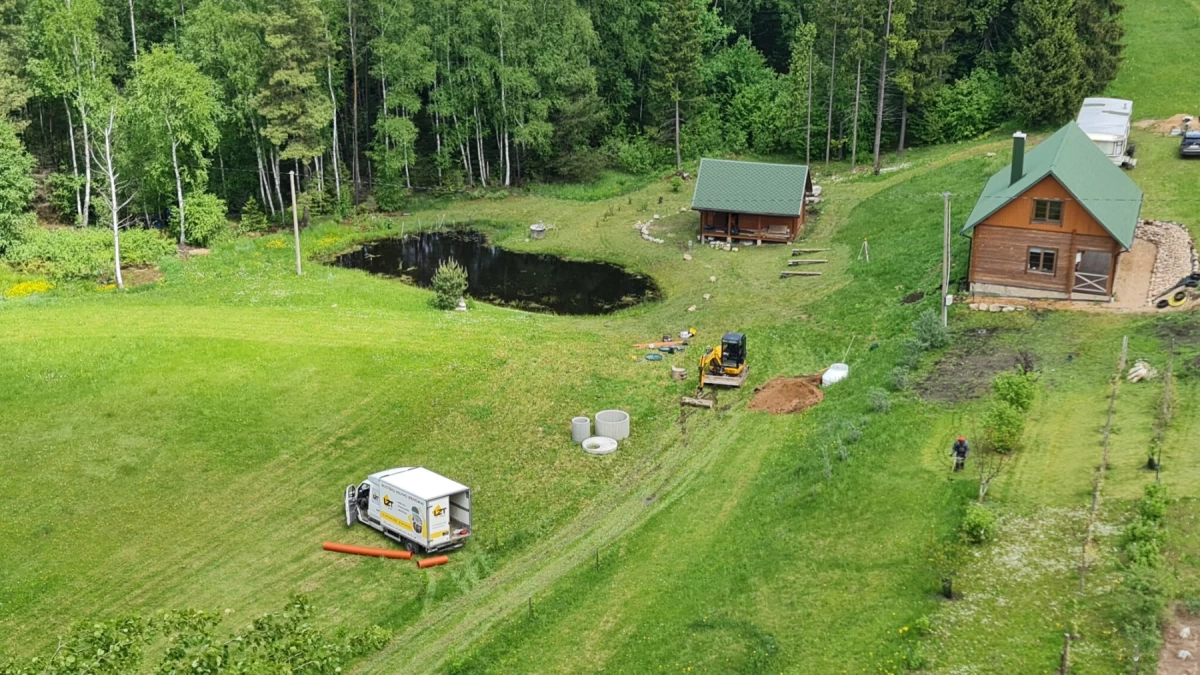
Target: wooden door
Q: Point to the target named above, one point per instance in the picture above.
(1092, 272)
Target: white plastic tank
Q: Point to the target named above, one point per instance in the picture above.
(581, 429)
(612, 424)
(836, 373)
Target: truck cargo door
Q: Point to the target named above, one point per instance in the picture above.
(439, 519)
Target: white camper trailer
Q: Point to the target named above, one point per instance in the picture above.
(424, 511)
(1106, 122)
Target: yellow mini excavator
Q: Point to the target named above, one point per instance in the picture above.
(725, 364)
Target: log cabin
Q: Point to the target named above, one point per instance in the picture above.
(751, 201)
(1053, 224)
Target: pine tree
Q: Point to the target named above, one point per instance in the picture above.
(675, 61)
(293, 100)
(800, 79)
(1100, 35)
(1048, 64)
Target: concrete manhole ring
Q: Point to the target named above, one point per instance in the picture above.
(599, 445)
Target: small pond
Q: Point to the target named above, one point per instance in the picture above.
(535, 282)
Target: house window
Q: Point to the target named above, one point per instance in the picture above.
(1047, 211)
(1042, 260)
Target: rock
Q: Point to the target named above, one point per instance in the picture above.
(713, 279)
(974, 306)
(994, 308)
(734, 249)
(1021, 308)
(1185, 633)
(708, 296)
(462, 305)
(657, 217)
(687, 256)
(991, 154)
(692, 308)
(1184, 655)
(1008, 308)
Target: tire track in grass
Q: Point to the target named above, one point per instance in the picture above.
(458, 623)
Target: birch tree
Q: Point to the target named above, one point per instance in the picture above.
(174, 108)
(675, 60)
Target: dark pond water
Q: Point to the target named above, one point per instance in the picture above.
(535, 282)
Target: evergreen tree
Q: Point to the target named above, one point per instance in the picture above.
(1100, 35)
(800, 81)
(293, 99)
(675, 60)
(1048, 65)
(14, 90)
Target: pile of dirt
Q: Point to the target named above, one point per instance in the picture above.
(1163, 126)
(784, 395)
(913, 297)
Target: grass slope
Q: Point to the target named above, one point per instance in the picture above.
(1160, 37)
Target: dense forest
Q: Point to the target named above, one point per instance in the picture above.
(120, 112)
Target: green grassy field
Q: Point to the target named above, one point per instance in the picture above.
(185, 444)
(1160, 35)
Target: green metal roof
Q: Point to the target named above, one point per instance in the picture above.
(1099, 185)
(750, 187)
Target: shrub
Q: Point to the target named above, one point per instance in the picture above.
(923, 626)
(978, 524)
(68, 253)
(929, 331)
(880, 401)
(1004, 425)
(60, 192)
(898, 379)
(1016, 388)
(1153, 505)
(639, 155)
(497, 195)
(965, 109)
(449, 284)
(910, 352)
(16, 184)
(204, 220)
(253, 218)
(676, 183)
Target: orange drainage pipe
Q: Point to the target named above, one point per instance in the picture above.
(433, 562)
(364, 550)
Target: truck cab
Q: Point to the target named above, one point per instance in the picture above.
(420, 509)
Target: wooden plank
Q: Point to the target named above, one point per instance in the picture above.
(656, 345)
(806, 261)
(787, 273)
(697, 402)
(802, 251)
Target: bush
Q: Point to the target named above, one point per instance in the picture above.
(965, 109)
(497, 195)
(204, 220)
(898, 379)
(978, 524)
(1153, 506)
(929, 331)
(449, 284)
(638, 155)
(911, 350)
(16, 184)
(68, 253)
(1016, 388)
(880, 401)
(1004, 425)
(676, 183)
(60, 190)
(253, 218)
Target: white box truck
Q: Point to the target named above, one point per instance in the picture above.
(424, 511)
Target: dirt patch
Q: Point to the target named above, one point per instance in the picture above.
(1162, 126)
(140, 276)
(784, 395)
(913, 297)
(966, 372)
(1169, 662)
(1183, 328)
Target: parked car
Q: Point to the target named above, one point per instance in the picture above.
(1190, 145)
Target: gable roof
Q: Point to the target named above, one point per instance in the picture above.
(1099, 185)
(750, 187)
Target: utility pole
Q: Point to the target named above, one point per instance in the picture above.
(295, 221)
(945, 258)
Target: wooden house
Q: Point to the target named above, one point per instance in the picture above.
(1054, 222)
(751, 201)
